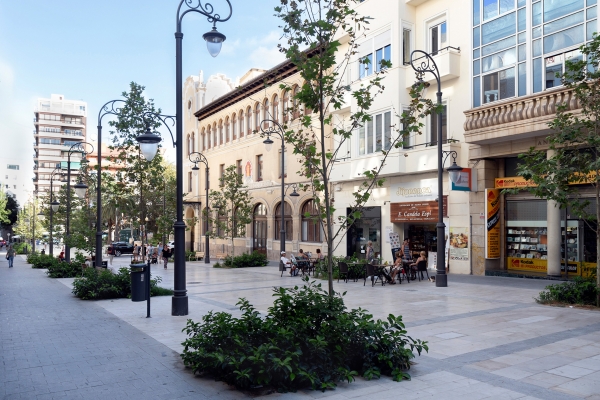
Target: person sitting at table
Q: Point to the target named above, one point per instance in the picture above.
(413, 266)
(302, 260)
(398, 266)
(320, 256)
(287, 263)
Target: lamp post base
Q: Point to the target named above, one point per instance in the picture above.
(179, 305)
(441, 280)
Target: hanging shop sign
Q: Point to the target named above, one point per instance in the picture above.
(418, 211)
(492, 231)
(459, 244)
(423, 189)
(467, 181)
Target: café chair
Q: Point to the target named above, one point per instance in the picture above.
(420, 268)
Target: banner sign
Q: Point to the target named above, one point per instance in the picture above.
(424, 189)
(513, 182)
(459, 244)
(492, 231)
(467, 181)
(394, 244)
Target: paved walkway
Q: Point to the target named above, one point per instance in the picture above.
(488, 338)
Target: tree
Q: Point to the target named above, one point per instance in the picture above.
(234, 207)
(26, 219)
(311, 29)
(574, 143)
(4, 211)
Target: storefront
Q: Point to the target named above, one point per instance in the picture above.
(527, 235)
(364, 230)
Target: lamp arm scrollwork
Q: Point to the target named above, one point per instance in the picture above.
(422, 63)
(274, 128)
(205, 9)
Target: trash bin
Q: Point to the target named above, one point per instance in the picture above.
(138, 282)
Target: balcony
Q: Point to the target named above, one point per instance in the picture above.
(415, 2)
(416, 160)
(448, 63)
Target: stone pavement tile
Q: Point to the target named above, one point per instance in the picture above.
(570, 371)
(546, 380)
(592, 363)
(489, 365)
(513, 372)
(512, 359)
(582, 387)
(593, 397)
(544, 363)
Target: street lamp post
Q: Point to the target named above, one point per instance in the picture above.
(276, 129)
(53, 208)
(79, 187)
(109, 108)
(214, 40)
(422, 63)
(200, 158)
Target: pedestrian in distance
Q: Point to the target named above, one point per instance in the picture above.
(10, 256)
(166, 254)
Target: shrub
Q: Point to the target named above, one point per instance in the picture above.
(96, 285)
(217, 265)
(255, 259)
(42, 260)
(307, 339)
(578, 291)
(22, 248)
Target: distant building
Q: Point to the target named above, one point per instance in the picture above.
(14, 180)
(59, 124)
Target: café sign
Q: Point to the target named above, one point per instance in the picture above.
(423, 189)
(417, 211)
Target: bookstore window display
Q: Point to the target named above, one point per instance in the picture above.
(526, 242)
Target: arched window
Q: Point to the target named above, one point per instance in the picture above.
(221, 132)
(203, 139)
(193, 142)
(289, 225)
(311, 224)
(275, 110)
(241, 121)
(208, 136)
(239, 229)
(248, 120)
(234, 127)
(215, 141)
(227, 130)
(295, 110)
(286, 102)
(257, 116)
(189, 144)
(266, 115)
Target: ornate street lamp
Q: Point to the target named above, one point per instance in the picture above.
(276, 129)
(199, 158)
(214, 40)
(422, 63)
(80, 188)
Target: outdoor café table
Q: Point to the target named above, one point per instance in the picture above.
(379, 268)
(356, 270)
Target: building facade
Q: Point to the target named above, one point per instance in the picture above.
(59, 124)
(14, 180)
(518, 48)
(406, 206)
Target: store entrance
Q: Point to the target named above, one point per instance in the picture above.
(364, 230)
(422, 238)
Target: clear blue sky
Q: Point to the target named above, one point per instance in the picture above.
(91, 50)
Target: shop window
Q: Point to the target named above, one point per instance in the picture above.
(311, 223)
(433, 127)
(289, 226)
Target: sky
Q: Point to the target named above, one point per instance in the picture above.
(91, 51)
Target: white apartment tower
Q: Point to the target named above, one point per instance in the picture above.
(59, 124)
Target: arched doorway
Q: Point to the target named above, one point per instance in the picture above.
(191, 229)
(259, 229)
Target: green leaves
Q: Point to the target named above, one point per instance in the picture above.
(306, 339)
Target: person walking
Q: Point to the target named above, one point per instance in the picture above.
(166, 254)
(10, 256)
(111, 253)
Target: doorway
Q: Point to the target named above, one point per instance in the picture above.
(259, 229)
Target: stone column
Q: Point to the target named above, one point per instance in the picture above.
(554, 236)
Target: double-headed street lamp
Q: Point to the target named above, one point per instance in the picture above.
(214, 40)
(53, 207)
(276, 129)
(199, 158)
(80, 187)
(422, 63)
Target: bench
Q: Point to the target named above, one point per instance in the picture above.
(199, 255)
(221, 256)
